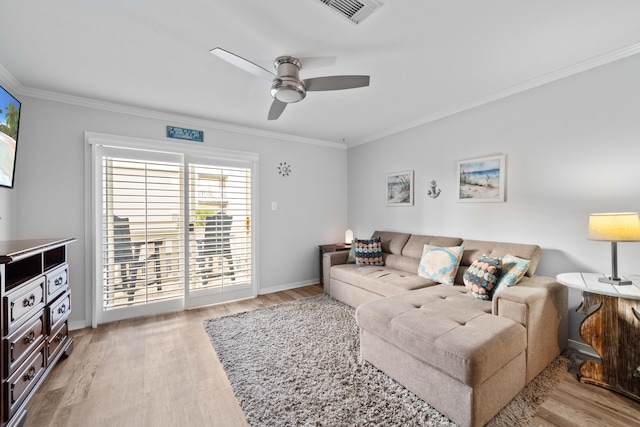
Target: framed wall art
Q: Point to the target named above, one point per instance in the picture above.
(400, 189)
(482, 179)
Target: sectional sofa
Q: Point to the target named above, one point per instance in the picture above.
(465, 354)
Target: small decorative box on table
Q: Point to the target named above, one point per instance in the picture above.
(612, 328)
(36, 302)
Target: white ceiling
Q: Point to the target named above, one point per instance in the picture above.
(426, 58)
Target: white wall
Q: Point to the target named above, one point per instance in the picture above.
(572, 147)
(51, 203)
(7, 217)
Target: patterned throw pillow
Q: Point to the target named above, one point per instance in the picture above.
(440, 264)
(481, 276)
(368, 252)
(513, 270)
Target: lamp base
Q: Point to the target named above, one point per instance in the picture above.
(614, 281)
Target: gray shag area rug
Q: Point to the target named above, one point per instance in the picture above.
(298, 364)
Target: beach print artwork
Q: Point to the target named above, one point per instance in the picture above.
(481, 180)
(400, 189)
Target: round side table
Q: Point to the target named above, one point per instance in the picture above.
(612, 328)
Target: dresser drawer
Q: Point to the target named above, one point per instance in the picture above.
(56, 342)
(19, 385)
(57, 282)
(23, 303)
(58, 311)
(19, 345)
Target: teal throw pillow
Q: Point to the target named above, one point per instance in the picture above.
(513, 270)
(351, 259)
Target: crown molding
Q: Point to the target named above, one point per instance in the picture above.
(16, 87)
(573, 69)
(9, 82)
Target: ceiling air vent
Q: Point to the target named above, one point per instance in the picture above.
(355, 11)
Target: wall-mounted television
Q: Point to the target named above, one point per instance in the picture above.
(9, 124)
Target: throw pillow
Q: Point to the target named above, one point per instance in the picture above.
(351, 259)
(481, 276)
(368, 252)
(440, 264)
(513, 270)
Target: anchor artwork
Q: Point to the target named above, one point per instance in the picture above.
(435, 191)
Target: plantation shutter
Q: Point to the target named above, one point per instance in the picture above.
(220, 229)
(142, 235)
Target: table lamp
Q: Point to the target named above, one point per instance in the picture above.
(348, 236)
(614, 228)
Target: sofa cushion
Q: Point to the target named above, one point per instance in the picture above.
(440, 264)
(481, 277)
(392, 242)
(368, 252)
(446, 329)
(383, 281)
(415, 244)
(513, 270)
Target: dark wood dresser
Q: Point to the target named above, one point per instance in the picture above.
(36, 302)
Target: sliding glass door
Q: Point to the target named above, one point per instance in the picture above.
(172, 231)
(220, 237)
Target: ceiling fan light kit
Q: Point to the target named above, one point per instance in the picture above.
(286, 86)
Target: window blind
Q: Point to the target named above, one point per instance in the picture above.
(220, 227)
(142, 211)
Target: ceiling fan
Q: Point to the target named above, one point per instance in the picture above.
(286, 86)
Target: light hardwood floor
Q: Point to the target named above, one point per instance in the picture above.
(163, 371)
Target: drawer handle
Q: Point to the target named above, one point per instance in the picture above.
(62, 309)
(636, 373)
(30, 337)
(31, 374)
(29, 302)
(60, 336)
(58, 281)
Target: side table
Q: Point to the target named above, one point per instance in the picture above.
(331, 248)
(612, 329)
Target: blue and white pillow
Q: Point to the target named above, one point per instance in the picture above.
(440, 264)
(481, 277)
(513, 270)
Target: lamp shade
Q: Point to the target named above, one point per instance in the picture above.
(614, 227)
(348, 236)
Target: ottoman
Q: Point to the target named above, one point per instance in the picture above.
(446, 347)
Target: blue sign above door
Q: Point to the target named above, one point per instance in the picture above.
(182, 133)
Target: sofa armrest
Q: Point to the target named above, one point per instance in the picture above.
(540, 304)
(329, 259)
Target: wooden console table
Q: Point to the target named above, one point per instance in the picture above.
(36, 303)
(612, 328)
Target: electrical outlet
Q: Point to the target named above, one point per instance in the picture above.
(274, 206)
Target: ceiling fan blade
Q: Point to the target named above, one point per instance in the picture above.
(276, 109)
(242, 63)
(335, 82)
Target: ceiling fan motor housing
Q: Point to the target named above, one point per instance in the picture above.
(288, 87)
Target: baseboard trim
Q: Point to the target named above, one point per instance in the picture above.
(583, 348)
(287, 286)
(78, 324)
